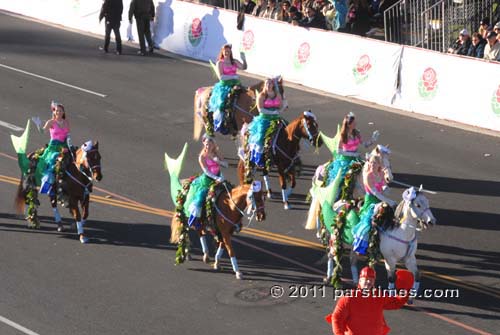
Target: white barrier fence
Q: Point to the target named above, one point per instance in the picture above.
(448, 87)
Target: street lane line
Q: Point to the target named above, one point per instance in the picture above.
(53, 80)
(10, 126)
(17, 326)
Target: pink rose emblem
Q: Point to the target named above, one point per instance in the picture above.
(248, 40)
(429, 79)
(304, 52)
(196, 28)
(363, 65)
(498, 94)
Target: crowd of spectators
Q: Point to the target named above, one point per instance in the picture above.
(485, 43)
(351, 16)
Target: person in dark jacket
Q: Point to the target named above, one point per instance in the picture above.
(313, 19)
(476, 48)
(144, 12)
(247, 7)
(112, 10)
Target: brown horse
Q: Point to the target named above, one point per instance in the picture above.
(76, 184)
(285, 152)
(229, 208)
(244, 107)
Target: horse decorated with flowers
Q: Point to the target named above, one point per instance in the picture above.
(224, 210)
(75, 171)
(281, 149)
(240, 108)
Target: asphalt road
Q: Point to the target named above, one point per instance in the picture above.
(124, 281)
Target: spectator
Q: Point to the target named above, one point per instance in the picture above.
(260, 8)
(462, 44)
(484, 27)
(271, 11)
(313, 19)
(144, 13)
(358, 18)
(294, 16)
(492, 49)
(112, 10)
(476, 48)
(247, 7)
(339, 24)
(297, 4)
(284, 12)
(496, 29)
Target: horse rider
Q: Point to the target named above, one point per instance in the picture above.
(59, 130)
(227, 67)
(347, 152)
(210, 160)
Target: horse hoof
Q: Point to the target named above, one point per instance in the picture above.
(269, 195)
(239, 275)
(216, 266)
(206, 259)
(318, 235)
(327, 280)
(189, 257)
(84, 240)
(60, 228)
(287, 206)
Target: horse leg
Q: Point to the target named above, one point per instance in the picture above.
(411, 265)
(218, 255)
(284, 193)
(289, 190)
(57, 216)
(204, 246)
(329, 269)
(73, 207)
(230, 251)
(390, 266)
(85, 209)
(268, 187)
(353, 258)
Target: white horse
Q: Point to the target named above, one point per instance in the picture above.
(400, 243)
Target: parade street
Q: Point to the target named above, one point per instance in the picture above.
(124, 280)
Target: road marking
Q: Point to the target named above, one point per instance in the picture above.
(53, 80)
(161, 212)
(10, 126)
(453, 322)
(17, 326)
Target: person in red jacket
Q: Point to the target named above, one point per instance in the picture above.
(362, 311)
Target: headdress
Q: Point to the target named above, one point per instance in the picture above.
(383, 149)
(310, 114)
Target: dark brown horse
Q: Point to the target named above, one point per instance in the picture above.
(80, 168)
(244, 108)
(229, 208)
(285, 152)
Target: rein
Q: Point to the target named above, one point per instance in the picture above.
(281, 151)
(240, 212)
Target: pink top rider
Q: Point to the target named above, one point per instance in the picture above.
(212, 166)
(229, 70)
(351, 145)
(57, 133)
(272, 103)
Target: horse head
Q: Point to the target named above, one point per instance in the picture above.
(91, 159)
(379, 157)
(418, 205)
(309, 129)
(255, 200)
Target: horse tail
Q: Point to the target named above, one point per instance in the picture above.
(312, 215)
(175, 230)
(197, 114)
(20, 200)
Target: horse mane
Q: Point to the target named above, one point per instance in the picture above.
(390, 219)
(256, 87)
(292, 127)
